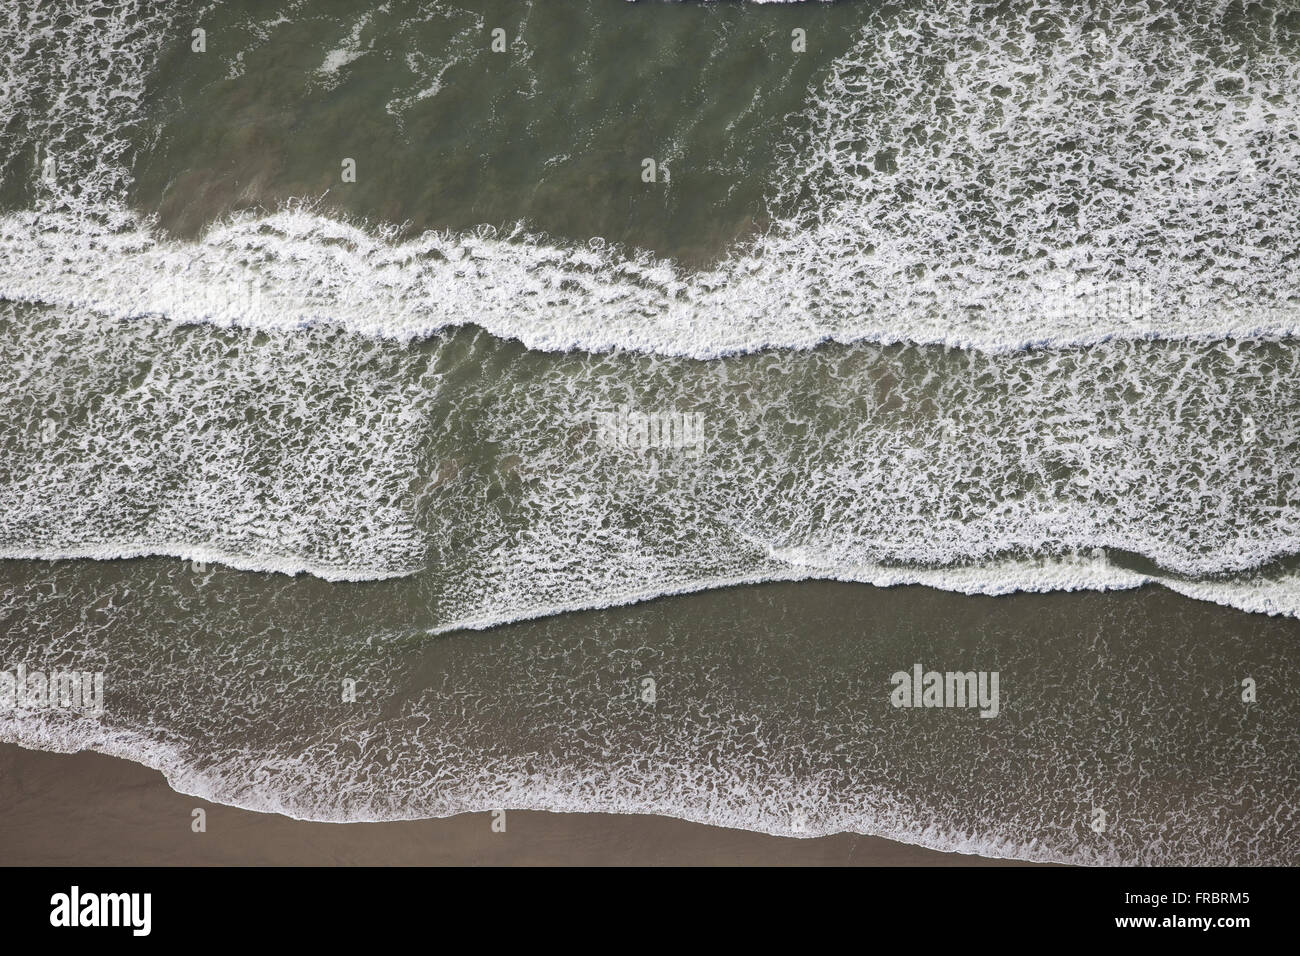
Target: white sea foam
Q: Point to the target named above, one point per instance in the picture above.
(127, 439)
(555, 790)
(959, 171)
(959, 177)
(546, 718)
(71, 85)
(1272, 593)
(339, 57)
(486, 475)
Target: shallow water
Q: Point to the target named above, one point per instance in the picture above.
(769, 709)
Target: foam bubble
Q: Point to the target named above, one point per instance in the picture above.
(291, 453)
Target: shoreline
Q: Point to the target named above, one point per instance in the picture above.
(88, 809)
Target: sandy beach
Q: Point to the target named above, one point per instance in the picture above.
(87, 809)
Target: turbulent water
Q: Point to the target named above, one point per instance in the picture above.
(984, 297)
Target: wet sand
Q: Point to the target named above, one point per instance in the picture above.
(87, 809)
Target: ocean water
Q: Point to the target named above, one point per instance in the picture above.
(964, 335)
